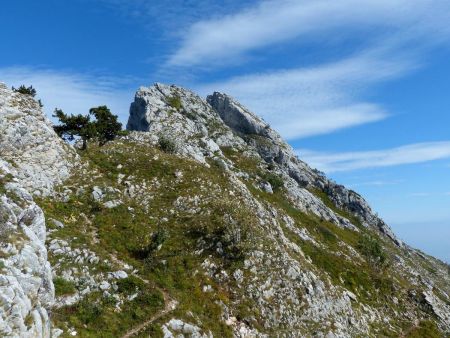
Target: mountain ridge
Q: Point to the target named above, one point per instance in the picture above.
(269, 246)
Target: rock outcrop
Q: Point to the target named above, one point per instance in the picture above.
(33, 161)
(29, 146)
(26, 287)
(273, 149)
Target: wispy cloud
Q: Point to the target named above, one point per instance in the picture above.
(270, 22)
(309, 101)
(375, 183)
(74, 93)
(429, 194)
(409, 154)
(312, 100)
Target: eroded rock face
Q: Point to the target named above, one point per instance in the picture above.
(33, 161)
(28, 144)
(273, 149)
(26, 287)
(180, 116)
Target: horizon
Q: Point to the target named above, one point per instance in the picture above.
(359, 94)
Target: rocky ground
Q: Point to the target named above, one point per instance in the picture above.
(200, 223)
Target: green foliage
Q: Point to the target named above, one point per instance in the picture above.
(174, 102)
(228, 225)
(130, 285)
(167, 145)
(105, 127)
(25, 90)
(372, 250)
(88, 311)
(63, 286)
(275, 181)
(74, 125)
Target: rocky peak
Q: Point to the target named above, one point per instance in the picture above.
(274, 150)
(240, 119)
(29, 147)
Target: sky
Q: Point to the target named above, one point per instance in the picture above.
(359, 89)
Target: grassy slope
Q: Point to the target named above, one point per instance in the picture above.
(133, 232)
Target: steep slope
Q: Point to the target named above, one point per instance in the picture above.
(32, 160)
(29, 147)
(202, 222)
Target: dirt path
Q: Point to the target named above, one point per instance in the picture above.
(170, 305)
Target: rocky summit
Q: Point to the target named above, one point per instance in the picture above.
(199, 222)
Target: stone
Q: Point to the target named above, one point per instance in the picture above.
(29, 147)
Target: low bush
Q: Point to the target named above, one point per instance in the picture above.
(167, 145)
(174, 102)
(130, 284)
(372, 250)
(275, 181)
(63, 287)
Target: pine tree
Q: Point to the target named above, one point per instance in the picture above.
(74, 125)
(104, 128)
(106, 125)
(25, 90)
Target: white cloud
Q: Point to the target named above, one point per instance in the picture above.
(73, 93)
(307, 101)
(409, 154)
(310, 101)
(376, 183)
(225, 38)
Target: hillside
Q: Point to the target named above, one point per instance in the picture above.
(201, 222)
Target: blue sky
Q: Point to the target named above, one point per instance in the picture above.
(359, 89)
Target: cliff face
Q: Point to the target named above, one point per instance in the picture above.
(32, 161)
(201, 222)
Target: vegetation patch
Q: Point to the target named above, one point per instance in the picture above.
(174, 102)
(63, 287)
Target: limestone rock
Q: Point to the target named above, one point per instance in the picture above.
(29, 147)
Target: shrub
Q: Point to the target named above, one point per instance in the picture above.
(25, 90)
(63, 286)
(275, 181)
(88, 311)
(174, 102)
(130, 284)
(372, 250)
(167, 145)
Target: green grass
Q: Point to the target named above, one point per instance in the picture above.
(162, 252)
(174, 102)
(63, 287)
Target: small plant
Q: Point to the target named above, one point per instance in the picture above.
(25, 90)
(130, 285)
(275, 181)
(167, 145)
(174, 102)
(88, 311)
(372, 250)
(63, 286)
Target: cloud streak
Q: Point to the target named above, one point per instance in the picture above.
(74, 93)
(311, 101)
(323, 98)
(271, 22)
(409, 154)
